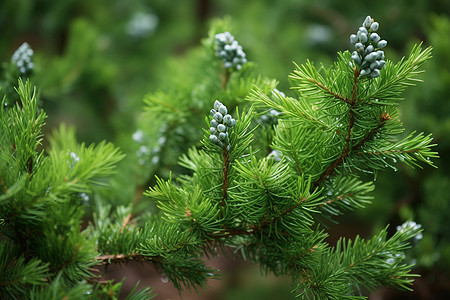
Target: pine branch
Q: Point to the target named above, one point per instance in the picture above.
(387, 90)
(333, 166)
(58, 289)
(171, 248)
(411, 150)
(383, 119)
(299, 198)
(288, 107)
(345, 192)
(309, 83)
(347, 264)
(17, 273)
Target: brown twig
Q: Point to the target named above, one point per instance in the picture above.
(347, 149)
(340, 197)
(225, 78)
(256, 228)
(125, 222)
(332, 167)
(337, 96)
(116, 258)
(226, 165)
(2, 182)
(383, 119)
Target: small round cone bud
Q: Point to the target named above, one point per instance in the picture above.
(382, 44)
(213, 138)
(213, 130)
(375, 73)
(363, 37)
(359, 47)
(367, 22)
(356, 58)
(375, 65)
(218, 117)
(362, 30)
(222, 136)
(217, 104)
(353, 39)
(371, 57)
(227, 119)
(213, 123)
(380, 54)
(222, 109)
(374, 26)
(374, 37)
(365, 72)
(221, 128)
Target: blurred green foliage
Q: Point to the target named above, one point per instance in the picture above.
(97, 60)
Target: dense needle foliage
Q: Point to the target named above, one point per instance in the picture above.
(265, 185)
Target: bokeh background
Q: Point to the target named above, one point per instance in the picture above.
(96, 60)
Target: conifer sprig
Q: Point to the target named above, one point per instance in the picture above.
(41, 204)
(324, 134)
(346, 193)
(350, 122)
(346, 269)
(387, 90)
(17, 273)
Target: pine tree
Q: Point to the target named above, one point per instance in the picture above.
(270, 172)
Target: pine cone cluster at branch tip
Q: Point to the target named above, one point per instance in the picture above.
(229, 51)
(220, 124)
(411, 226)
(368, 44)
(22, 59)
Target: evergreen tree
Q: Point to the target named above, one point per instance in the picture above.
(270, 172)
